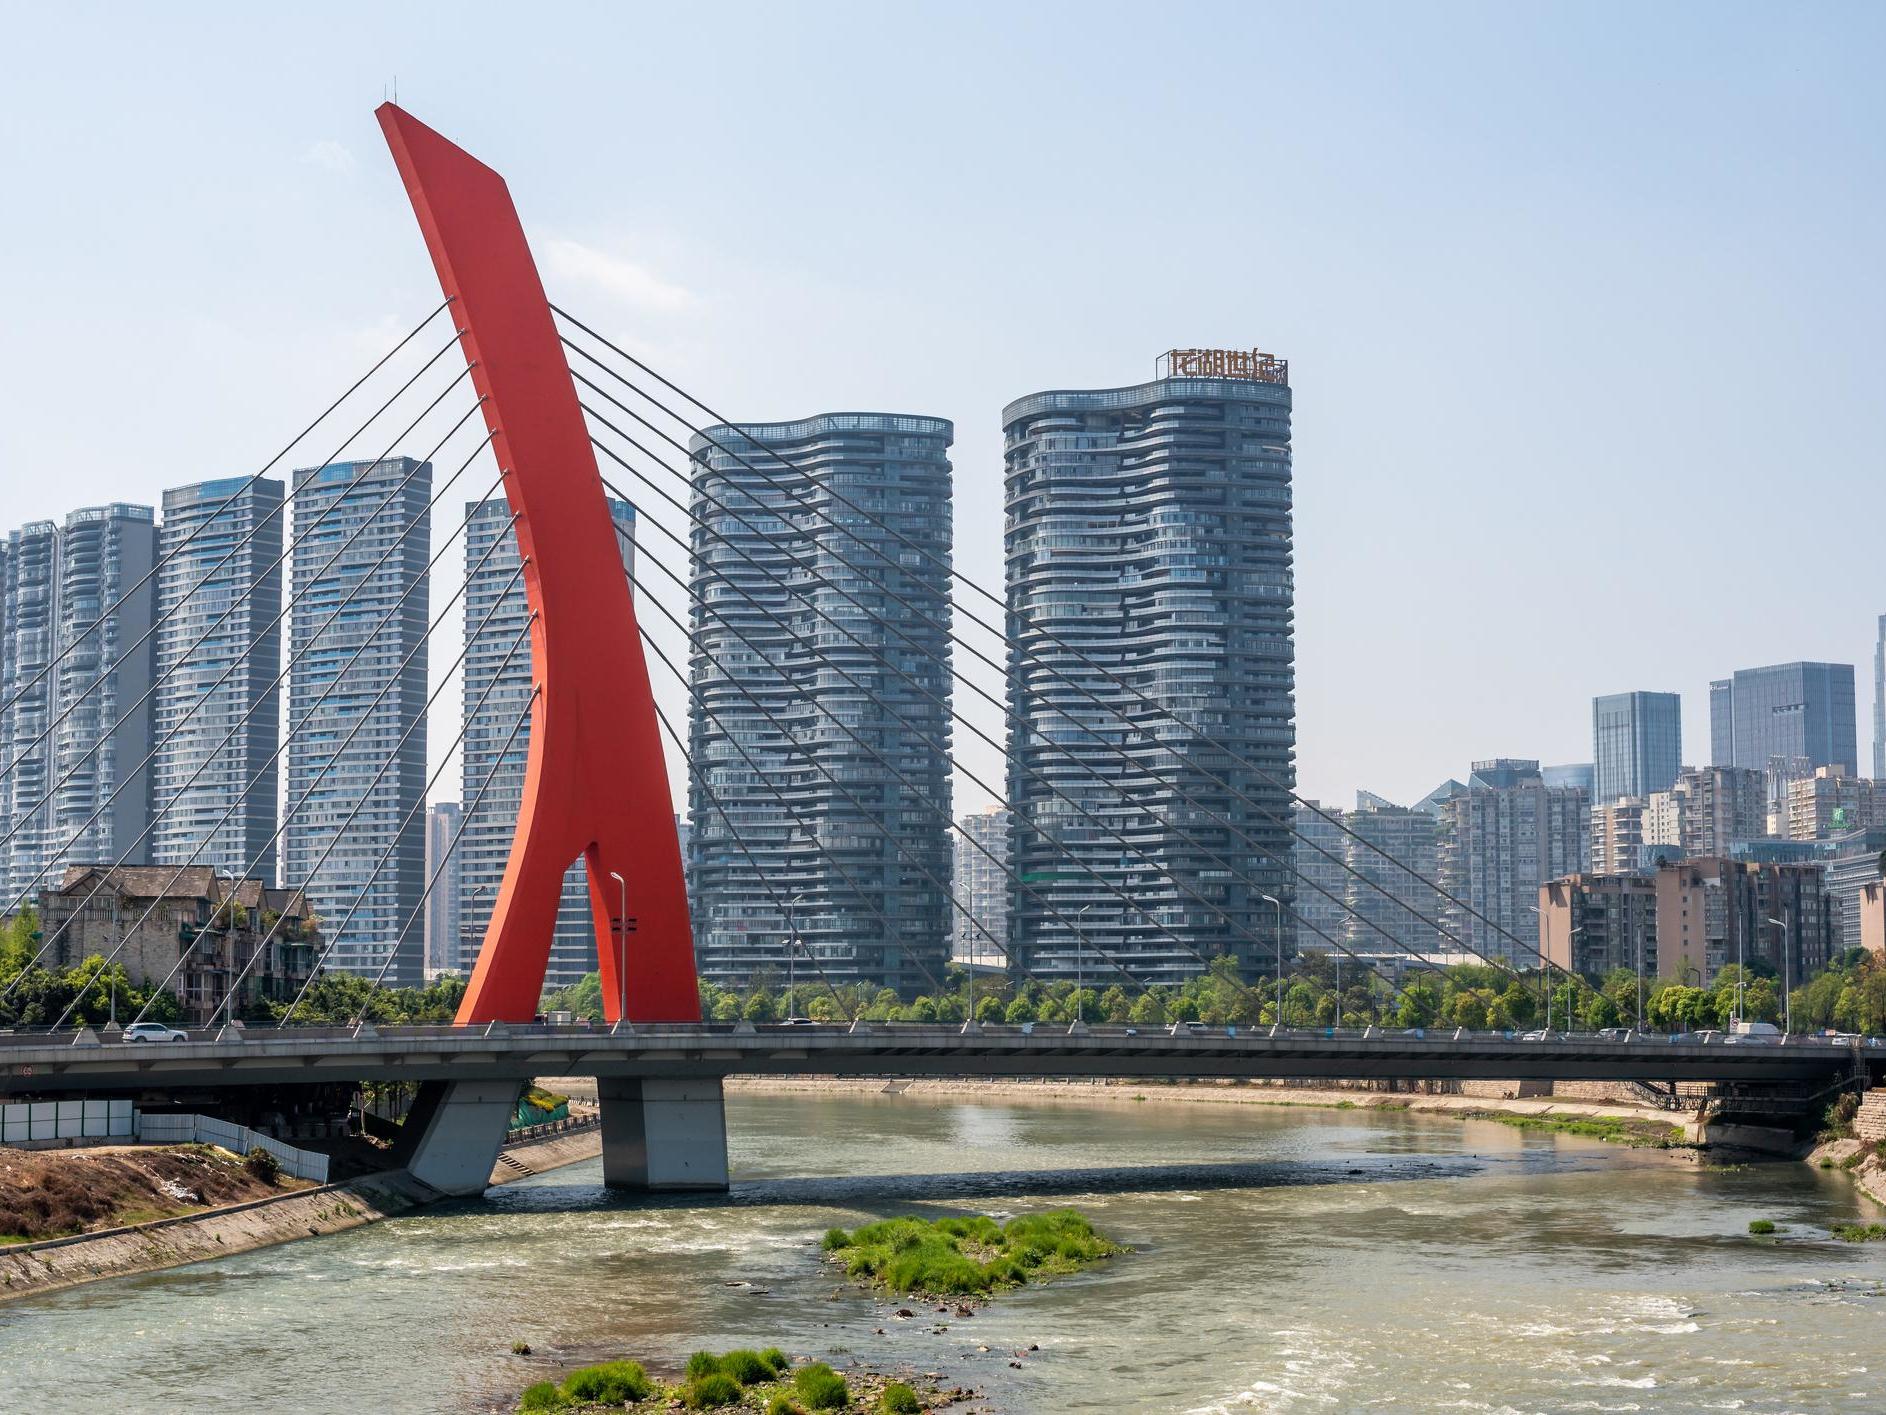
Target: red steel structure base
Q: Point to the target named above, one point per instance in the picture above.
(594, 781)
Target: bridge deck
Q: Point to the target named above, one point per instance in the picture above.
(34, 1064)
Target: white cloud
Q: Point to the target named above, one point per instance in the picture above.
(331, 155)
(620, 279)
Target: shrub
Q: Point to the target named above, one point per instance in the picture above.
(1859, 1232)
(520, 1348)
(835, 1238)
(780, 1405)
(821, 1387)
(263, 1165)
(775, 1358)
(747, 1367)
(900, 1399)
(703, 1363)
(542, 1396)
(711, 1391)
(611, 1383)
(1761, 1225)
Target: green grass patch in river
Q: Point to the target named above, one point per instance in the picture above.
(970, 1256)
(1642, 1134)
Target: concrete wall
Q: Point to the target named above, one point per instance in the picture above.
(1870, 1123)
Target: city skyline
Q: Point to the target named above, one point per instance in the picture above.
(1422, 390)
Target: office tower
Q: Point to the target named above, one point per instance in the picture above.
(981, 888)
(1393, 856)
(101, 802)
(1879, 702)
(1636, 744)
(219, 659)
(1787, 710)
(1319, 850)
(818, 714)
(30, 607)
(1720, 805)
(442, 868)
(498, 675)
(1150, 592)
(356, 698)
(1508, 833)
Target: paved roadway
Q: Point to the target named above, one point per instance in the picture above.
(35, 1064)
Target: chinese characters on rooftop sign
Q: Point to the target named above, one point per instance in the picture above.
(1252, 364)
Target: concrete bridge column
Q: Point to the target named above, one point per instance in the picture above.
(663, 1134)
(454, 1132)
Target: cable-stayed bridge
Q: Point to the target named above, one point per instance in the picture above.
(571, 418)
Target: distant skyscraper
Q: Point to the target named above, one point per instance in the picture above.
(1721, 806)
(215, 588)
(1149, 557)
(1318, 850)
(1383, 898)
(30, 607)
(364, 913)
(442, 825)
(762, 641)
(981, 889)
(1508, 833)
(494, 775)
(1636, 745)
(102, 809)
(1879, 703)
(1787, 710)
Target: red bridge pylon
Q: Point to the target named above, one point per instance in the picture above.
(594, 781)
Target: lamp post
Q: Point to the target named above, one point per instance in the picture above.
(1545, 960)
(1787, 976)
(792, 959)
(622, 948)
(1079, 1024)
(1277, 947)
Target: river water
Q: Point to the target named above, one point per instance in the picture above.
(1283, 1259)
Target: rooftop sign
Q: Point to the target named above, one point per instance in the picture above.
(1252, 364)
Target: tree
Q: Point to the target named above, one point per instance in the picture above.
(1020, 1010)
(1420, 1004)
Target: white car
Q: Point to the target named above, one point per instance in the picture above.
(154, 1032)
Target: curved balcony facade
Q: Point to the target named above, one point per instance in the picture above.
(1148, 548)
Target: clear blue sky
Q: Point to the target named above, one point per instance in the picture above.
(1583, 303)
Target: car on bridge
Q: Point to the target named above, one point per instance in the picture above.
(154, 1032)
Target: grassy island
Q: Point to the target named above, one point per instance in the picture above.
(737, 1382)
(1641, 1134)
(968, 1256)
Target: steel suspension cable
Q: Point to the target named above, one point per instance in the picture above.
(261, 699)
(307, 795)
(158, 620)
(367, 641)
(784, 909)
(1000, 801)
(904, 602)
(248, 483)
(950, 570)
(236, 661)
(997, 796)
(379, 978)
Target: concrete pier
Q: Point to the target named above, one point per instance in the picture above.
(663, 1134)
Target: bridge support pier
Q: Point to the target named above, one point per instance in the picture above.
(454, 1132)
(663, 1134)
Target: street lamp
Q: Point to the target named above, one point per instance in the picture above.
(622, 948)
(1079, 1024)
(792, 958)
(1787, 977)
(1278, 948)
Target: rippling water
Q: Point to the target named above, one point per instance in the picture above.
(1283, 1260)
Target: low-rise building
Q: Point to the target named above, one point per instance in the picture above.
(186, 929)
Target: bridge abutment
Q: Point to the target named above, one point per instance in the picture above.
(454, 1132)
(663, 1134)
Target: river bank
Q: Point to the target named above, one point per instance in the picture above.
(29, 1269)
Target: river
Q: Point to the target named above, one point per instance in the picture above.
(1283, 1259)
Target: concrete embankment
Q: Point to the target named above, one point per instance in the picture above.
(28, 1269)
(1862, 1158)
